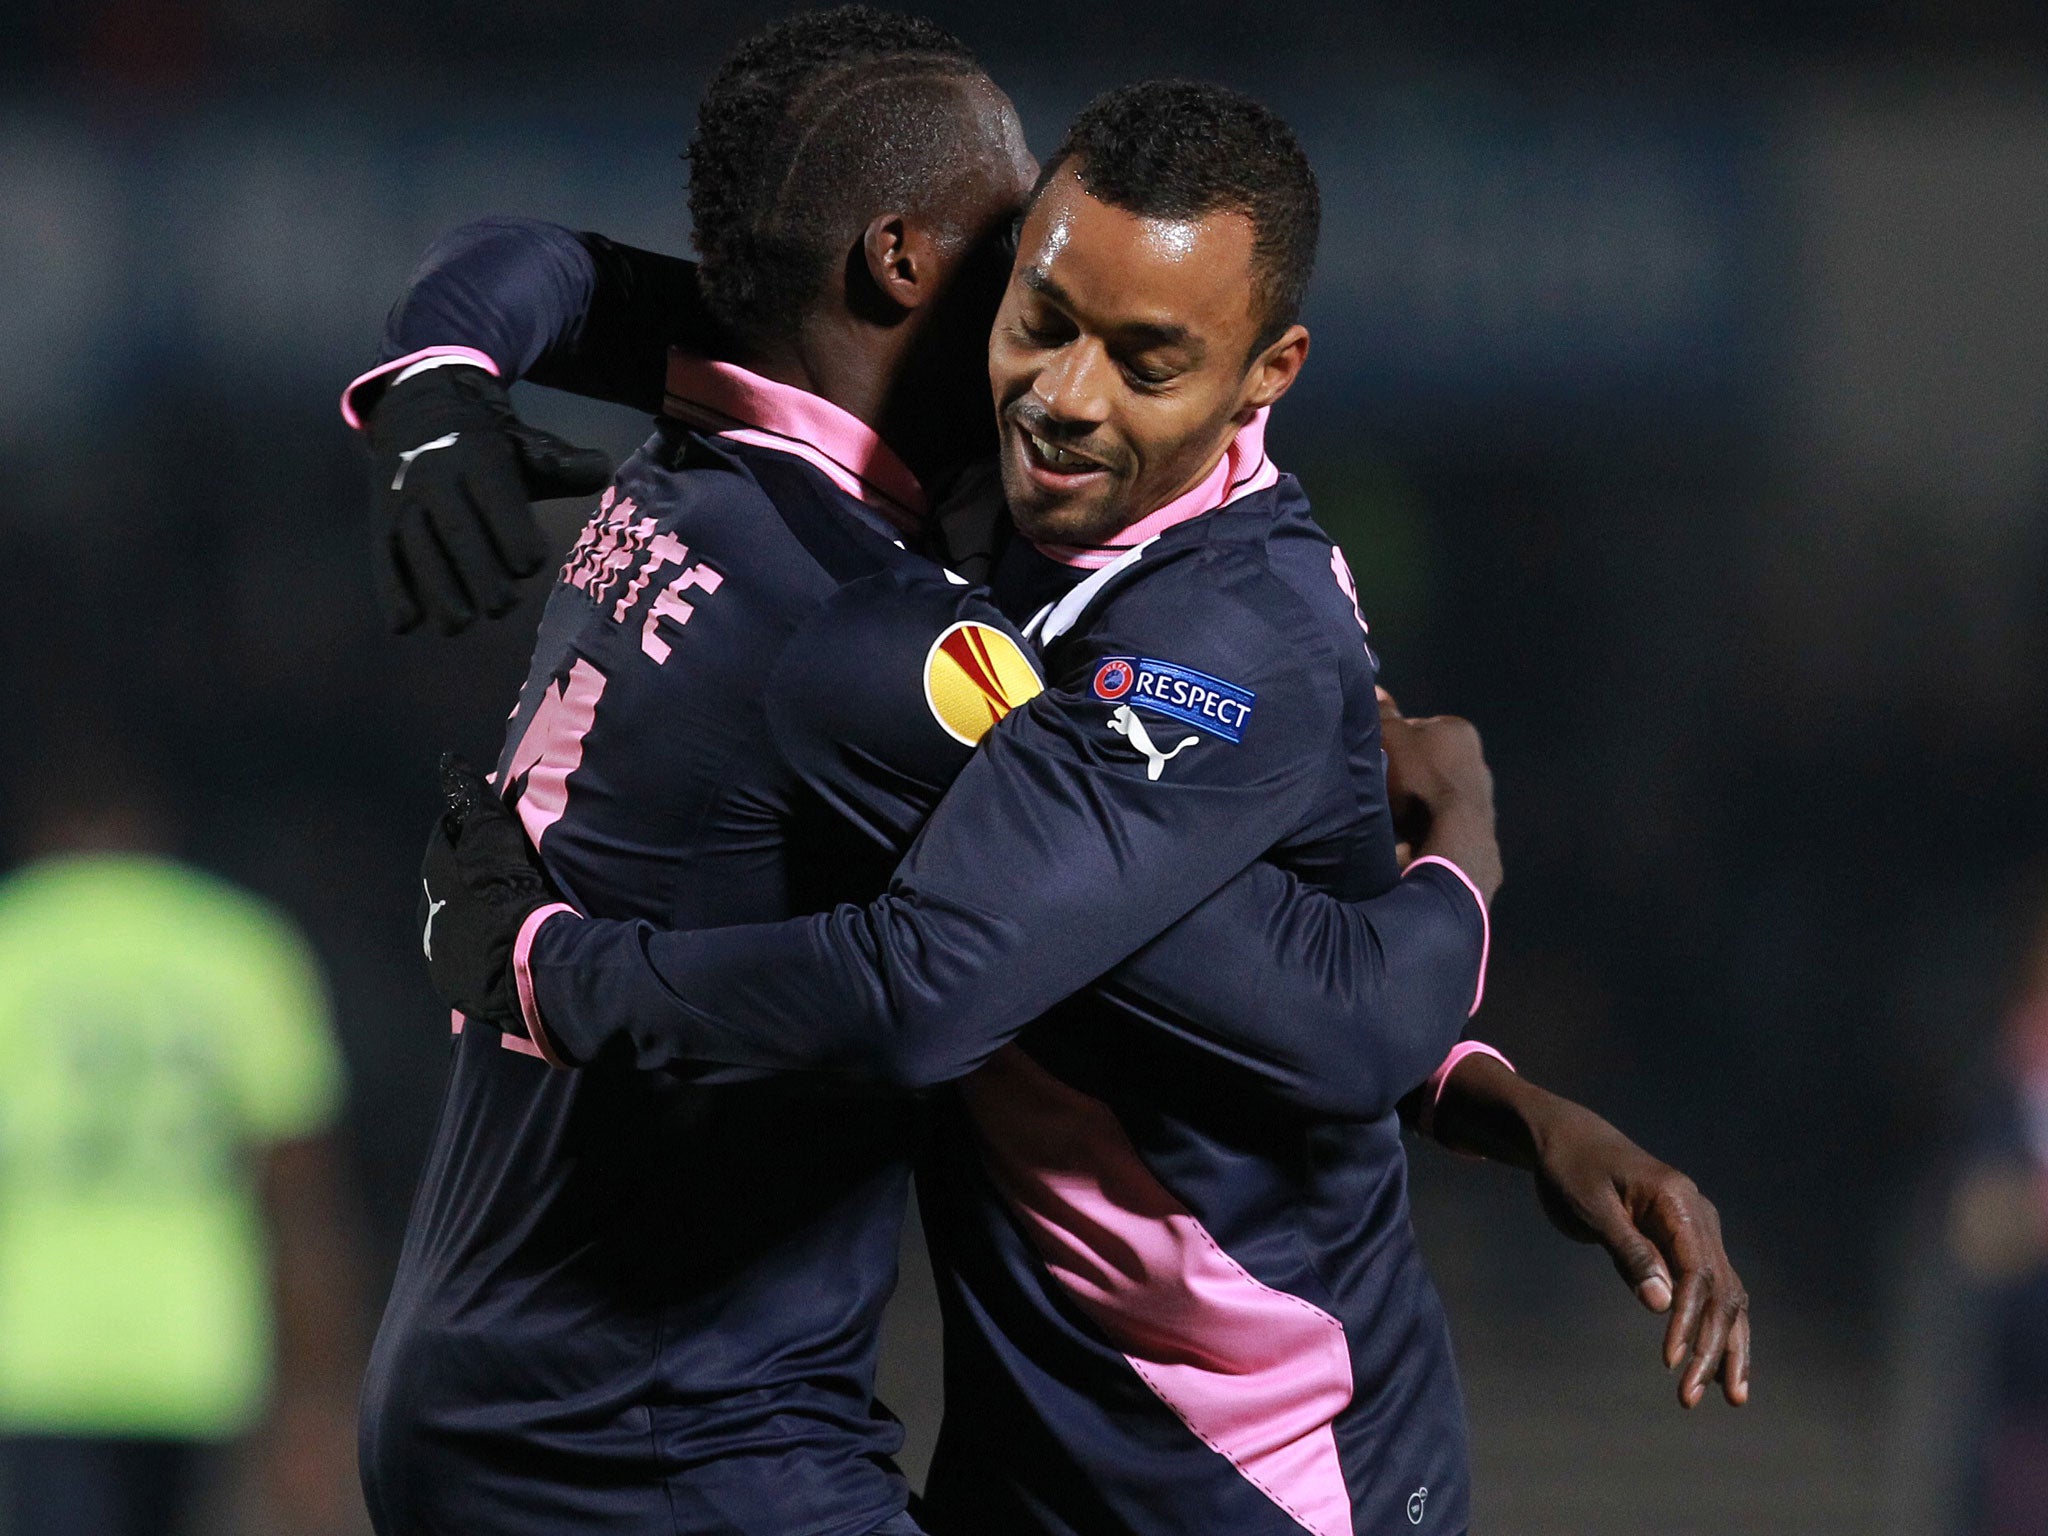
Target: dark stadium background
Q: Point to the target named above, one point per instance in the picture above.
(1679, 393)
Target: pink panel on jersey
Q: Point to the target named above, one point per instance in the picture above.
(553, 748)
(1257, 1374)
(1243, 469)
(1348, 585)
(747, 408)
(509, 1042)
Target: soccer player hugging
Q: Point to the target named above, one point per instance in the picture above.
(1140, 940)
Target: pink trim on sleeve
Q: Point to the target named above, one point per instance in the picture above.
(349, 413)
(1485, 921)
(1440, 1079)
(522, 978)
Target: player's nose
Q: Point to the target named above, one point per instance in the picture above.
(1074, 387)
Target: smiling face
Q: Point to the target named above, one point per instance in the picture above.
(1125, 356)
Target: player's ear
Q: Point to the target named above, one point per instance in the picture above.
(1275, 369)
(899, 261)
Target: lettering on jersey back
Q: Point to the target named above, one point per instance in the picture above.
(670, 605)
(616, 541)
(609, 543)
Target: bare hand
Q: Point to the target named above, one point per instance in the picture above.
(1441, 791)
(1664, 1237)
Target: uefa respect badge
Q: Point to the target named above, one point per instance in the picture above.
(1194, 698)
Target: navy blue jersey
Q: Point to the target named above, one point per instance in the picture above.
(1310, 1016)
(628, 1302)
(1181, 1288)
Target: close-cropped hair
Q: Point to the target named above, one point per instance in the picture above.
(808, 129)
(1182, 149)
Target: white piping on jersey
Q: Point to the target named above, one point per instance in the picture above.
(439, 360)
(1055, 619)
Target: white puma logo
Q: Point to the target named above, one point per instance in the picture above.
(433, 908)
(1132, 729)
(405, 459)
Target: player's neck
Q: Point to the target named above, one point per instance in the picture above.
(857, 367)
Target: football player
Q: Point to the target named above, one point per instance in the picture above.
(641, 1302)
(1605, 1175)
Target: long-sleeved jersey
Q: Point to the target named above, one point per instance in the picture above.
(1308, 1014)
(1182, 1297)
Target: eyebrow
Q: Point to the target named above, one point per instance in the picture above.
(1144, 334)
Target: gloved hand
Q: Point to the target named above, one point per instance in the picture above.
(454, 472)
(478, 882)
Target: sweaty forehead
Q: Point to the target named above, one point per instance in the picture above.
(1118, 268)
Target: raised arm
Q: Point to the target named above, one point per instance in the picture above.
(525, 299)
(492, 302)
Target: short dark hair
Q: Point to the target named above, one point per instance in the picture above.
(819, 120)
(1182, 149)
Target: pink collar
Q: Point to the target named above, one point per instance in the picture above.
(728, 400)
(1243, 469)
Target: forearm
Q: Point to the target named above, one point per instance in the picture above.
(1487, 1109)
(861, 994)
(903, 992)
(1338, 1008)
(533, 300)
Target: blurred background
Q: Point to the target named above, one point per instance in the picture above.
(1679, 394)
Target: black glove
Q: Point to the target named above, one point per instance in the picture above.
(478, 882)
(454, 472)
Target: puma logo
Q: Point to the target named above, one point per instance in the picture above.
(433, 909)
(405, 459)
(1127, 725)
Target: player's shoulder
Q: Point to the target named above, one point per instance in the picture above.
(881, 695)
(843, 535)
(744, 498)
(912, 639)
(1221, 598)
(1269, 553)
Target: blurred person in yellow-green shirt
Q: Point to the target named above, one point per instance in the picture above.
(175, 1275)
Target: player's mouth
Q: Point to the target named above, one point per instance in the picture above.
(1052, 467)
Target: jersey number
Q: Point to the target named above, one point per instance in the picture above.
(552, 747)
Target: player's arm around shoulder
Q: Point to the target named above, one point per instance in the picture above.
(880, 698)
(454, 467)
(1202, 673)
(1336, 1007)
